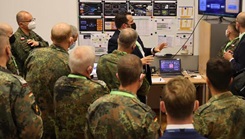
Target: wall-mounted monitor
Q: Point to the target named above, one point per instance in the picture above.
(165, 8)
(90, 9)
(222, 8)
(90, 24)
(112, 9)
(140, 8)
(109, 24)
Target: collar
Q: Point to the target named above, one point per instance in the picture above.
(4, 69)
(123, 93)
(23, 34)
(220, 96)
(241, 35)
(77, 76)
(180, 126)
(117, 52)
(53, 46)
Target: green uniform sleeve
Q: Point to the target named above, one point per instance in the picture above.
(152, 127)
(27, 115)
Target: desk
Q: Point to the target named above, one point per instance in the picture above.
(156, 90)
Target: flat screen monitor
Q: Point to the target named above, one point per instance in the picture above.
(90, 9)
(222, 8)
(90, 24)
(140, 8)
(112, 9)
(165, 8)
(109, 24)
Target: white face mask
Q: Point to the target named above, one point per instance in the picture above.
(32, 25)
(226, 33)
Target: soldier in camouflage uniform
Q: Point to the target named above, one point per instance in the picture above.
(233, 35)
(107, 64)
(120, 115)
(11, 65)
(75, 92)
(26, 39)
(222, 117)
(44, 66)
(20, 116)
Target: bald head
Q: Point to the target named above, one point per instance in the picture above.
(60, 33)
(241, 19)
(4, 42)
(23, 16)
(81, 58)
(127, 38)
(7, 29)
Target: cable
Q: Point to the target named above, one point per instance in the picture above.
(189, 36)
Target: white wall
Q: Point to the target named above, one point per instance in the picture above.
(46, 12)
(50, 12)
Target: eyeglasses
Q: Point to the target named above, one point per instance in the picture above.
(33, 19)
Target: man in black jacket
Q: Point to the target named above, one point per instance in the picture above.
(237, 58)
(125, 20)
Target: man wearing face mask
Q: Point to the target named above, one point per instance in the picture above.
(237, 58)
(26, 39)
(74, 34)
(20, 116)
(11, 65)
(44, 66)
(125, 20)
(232, 34)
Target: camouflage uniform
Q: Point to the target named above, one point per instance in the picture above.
(44, 67)
(20, 116)
(20, 49)
(12, 66)
(107, 69)
(222, 117)
(120, 115)
(73, 95)
(231, 45)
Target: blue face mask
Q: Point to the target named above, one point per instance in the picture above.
(72, 46)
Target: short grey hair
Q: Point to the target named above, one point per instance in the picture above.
(74, 31)
(127, 37)
(80, 58)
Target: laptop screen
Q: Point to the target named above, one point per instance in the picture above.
(170, 65)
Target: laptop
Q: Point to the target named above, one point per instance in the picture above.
(170, 67)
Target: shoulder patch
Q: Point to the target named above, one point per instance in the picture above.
(22, 80)
(22, 38)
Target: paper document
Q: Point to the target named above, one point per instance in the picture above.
(157, 79)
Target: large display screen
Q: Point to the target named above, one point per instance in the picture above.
(224, 8)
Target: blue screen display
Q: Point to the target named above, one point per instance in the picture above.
(225, 8)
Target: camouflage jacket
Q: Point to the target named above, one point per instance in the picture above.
(20, 116)
(222, 117)
(73, 95)
(231, 45)
(12, 66)
(20, 49)
(107, 69)
(44, 67)
(120, 115)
